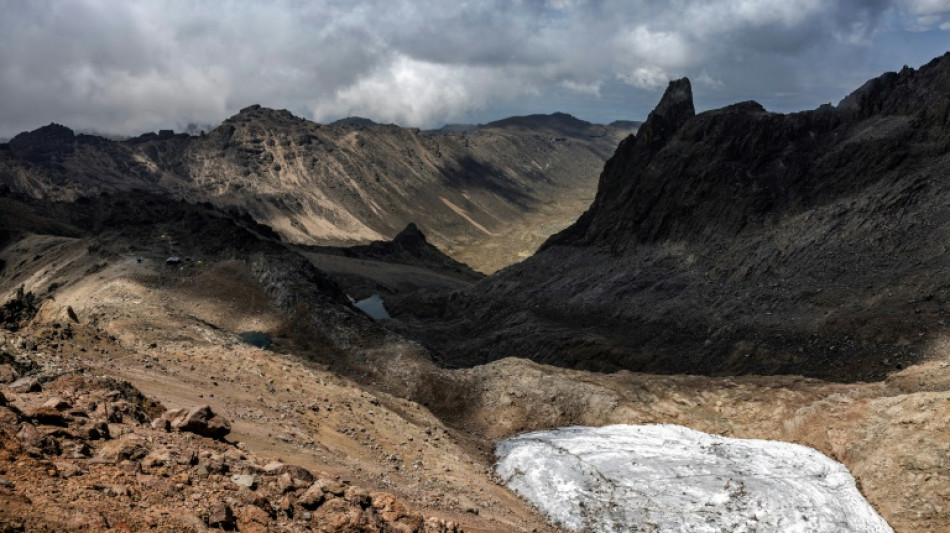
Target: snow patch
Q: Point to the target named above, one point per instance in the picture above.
(671, 478)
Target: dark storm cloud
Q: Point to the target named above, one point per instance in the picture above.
(127, 67)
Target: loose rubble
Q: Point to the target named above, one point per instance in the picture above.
(80, 452)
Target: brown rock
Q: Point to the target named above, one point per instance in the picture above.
(220, 516)
(171, 415)
(253, 519)
(313, 497)
(357, 496)
(301, 477)
(48, 416)
(157, 458)
(331, 487)
(129, 447)
(93, 431)
(58, 403)
(25, 385)
(285, 483)
(36, 442)
(68, 470)
(8, 417)
(202, 421)
(115, 431)
(395, 513)
(8, 374)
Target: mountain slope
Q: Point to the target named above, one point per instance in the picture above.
(489, 196)
(739, 241)
(337, 395)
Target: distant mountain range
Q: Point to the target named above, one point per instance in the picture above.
(352, 181)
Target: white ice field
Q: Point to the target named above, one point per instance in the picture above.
(668, 478)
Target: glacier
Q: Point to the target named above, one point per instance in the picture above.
(660, 478)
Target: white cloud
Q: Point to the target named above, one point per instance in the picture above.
(132, 66)
(409, 91)
(928, 14)
(706, 80)
(592, 89)
(647, 77)
(928, 7)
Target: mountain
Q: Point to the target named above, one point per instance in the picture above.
(410, 247)
(169, 364)
(629, 125)
(738, 241)
(407, 263)
(355, 121)
(111, 351)
(488, 196)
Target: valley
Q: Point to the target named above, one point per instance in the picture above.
(738, 272)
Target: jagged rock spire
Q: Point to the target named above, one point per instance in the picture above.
(674, 109)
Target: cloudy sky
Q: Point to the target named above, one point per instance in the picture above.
(126, 67)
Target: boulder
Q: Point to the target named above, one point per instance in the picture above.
(300, 476)
(8, 374)
(128, 447)
(200, 420)
(58, 403)
(220, 516)
(244, 480)
(48, 416)
(24, 385)
(313, 497)
(8, 417)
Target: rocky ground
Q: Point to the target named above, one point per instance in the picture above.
(92, 453)
(338, 396)
(404, 426)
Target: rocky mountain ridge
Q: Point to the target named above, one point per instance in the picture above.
(738, 241)
(345, 183)
(408, 247)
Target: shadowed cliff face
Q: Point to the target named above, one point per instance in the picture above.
(739, 241)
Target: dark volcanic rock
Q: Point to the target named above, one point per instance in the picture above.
(410, 247)
(739, 241)
(54, 140)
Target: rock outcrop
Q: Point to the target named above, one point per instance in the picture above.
(100, 460)
(409, 247)
(200, 420)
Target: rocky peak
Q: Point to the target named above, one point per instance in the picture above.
(674, 109)
(411, 236)
(410, 247)
(619, 182)
(356, 121)
(686, 176)
(39, 144)
(563, 123)
(908, 92)
(258, 113)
